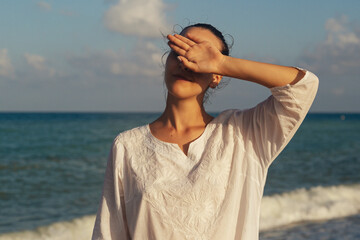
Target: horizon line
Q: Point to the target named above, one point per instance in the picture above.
(106, 112)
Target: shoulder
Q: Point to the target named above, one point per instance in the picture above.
(226, 115)
(132, 136)
(229, 120)
(229, 115)
(126, 144)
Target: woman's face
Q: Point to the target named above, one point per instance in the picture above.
(182, 83)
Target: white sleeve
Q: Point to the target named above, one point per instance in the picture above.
(268, 127)
(111, 221)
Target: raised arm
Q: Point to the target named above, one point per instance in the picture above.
(203, 57)
(268, 75)
(270, 125)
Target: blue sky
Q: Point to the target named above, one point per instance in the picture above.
(106, 55)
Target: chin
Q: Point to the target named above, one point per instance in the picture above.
(183, 90)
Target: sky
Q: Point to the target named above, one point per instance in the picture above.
(106, 55)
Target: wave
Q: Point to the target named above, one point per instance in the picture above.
(301, 205)
(314, 204)
(77, 229)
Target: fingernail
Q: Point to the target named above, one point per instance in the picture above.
(179, 58)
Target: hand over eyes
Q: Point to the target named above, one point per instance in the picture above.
(198, 55)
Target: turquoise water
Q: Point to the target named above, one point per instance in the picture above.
(52, 164)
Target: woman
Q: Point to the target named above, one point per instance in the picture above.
(188, 175)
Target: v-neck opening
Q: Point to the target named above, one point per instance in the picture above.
(202, 135)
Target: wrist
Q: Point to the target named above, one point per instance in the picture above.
(221, 68)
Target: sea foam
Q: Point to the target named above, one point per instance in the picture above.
(76, 229)
(301, 205)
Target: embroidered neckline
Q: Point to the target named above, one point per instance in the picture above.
(203, 135)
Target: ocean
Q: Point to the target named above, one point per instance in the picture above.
(52, 167)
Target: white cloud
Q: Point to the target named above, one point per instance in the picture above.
(143, 63)
(339, 53)
(339, 34)
(144, 18)
(44, 5)
(336, 60)
(39, 64)
(6, 68)
(35, 61)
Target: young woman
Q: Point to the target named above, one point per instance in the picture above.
(188, 175)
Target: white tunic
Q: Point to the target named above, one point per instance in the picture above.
(152, 190)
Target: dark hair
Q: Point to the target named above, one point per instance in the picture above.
(216, 32)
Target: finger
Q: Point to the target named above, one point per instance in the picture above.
(185, 40)
(194, 38)
(177, 49)
(188, 64)
(178, 42)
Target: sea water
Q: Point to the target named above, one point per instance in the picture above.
(52, 167)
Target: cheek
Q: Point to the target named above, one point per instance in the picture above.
(204, 79)
(170, 65)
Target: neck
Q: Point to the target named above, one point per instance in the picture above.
(181, 114)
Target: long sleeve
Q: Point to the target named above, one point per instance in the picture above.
(111, 218)
(270, 125)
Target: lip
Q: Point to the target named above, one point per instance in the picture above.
(181, 77)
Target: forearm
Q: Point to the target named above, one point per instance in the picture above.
(268, 75)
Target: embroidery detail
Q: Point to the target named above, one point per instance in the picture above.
(194, 195)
